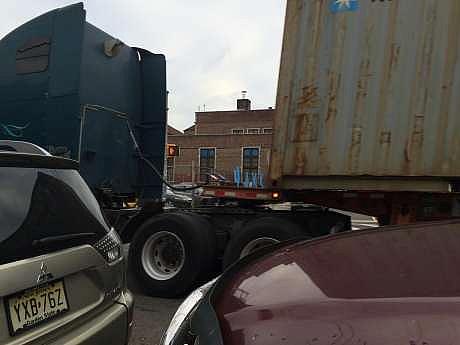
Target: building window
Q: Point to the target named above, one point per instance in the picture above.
(250, 161)
(33, 57)
(170, 169)
(238, 131)
(207, 163)
(268, 130)
(253, 131)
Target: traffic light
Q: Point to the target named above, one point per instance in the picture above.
(172, 150)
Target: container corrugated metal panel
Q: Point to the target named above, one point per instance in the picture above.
(368, 89)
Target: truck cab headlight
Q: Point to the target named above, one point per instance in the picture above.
(178, 330)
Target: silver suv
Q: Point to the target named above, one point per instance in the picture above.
(62, 273)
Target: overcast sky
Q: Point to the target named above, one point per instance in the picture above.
(214, 48)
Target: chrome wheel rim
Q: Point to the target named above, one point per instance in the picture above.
(163, 255)
(257, 244)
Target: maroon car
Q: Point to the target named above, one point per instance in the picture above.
(390, 286)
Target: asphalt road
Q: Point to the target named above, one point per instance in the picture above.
(152, 315)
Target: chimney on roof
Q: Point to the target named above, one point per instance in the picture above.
(243, 104)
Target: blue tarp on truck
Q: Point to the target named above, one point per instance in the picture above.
(72, 88)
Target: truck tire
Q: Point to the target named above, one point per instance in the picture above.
(172, 252)
(260, 233)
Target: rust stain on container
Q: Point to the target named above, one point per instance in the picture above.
(371, 91)
(334, 83)
(416, 140)
(355, 149)
(309, 98)
(394, 56)
(300, 161)
(306, 128)
(323, 159)
(385, 138)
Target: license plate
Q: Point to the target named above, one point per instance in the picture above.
(34, 306)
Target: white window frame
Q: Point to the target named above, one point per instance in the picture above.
(263, 130)
(237, 129)
(199, 159)
(248, 129)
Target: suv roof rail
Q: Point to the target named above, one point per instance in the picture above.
(22, 147)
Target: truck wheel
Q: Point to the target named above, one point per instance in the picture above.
(172, 252)
(260, 233)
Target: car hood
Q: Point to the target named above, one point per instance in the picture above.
(395, 285)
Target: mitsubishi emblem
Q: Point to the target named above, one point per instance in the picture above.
(44, 275)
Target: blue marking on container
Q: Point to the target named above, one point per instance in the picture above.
(338, 6)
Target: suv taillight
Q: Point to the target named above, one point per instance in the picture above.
(109, 246)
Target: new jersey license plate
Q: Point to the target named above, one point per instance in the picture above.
(34, 306)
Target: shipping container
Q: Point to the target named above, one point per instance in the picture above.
(367, 96)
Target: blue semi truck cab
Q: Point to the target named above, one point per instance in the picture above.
(79, 92)
(74, 89)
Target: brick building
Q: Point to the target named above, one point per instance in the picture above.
(221, 141)
(173, 131)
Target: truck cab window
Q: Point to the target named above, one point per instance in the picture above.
(33, 57)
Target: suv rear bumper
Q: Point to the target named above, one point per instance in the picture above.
(112, 326)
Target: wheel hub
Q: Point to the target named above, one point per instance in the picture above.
(163, 255)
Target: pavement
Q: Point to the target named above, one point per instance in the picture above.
(151, 318)
(152, 315)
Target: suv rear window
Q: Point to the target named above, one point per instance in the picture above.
(16, 186)
(37, 203)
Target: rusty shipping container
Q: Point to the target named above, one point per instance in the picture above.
(369, 96)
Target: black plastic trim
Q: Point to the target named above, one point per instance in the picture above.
(20, 160)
